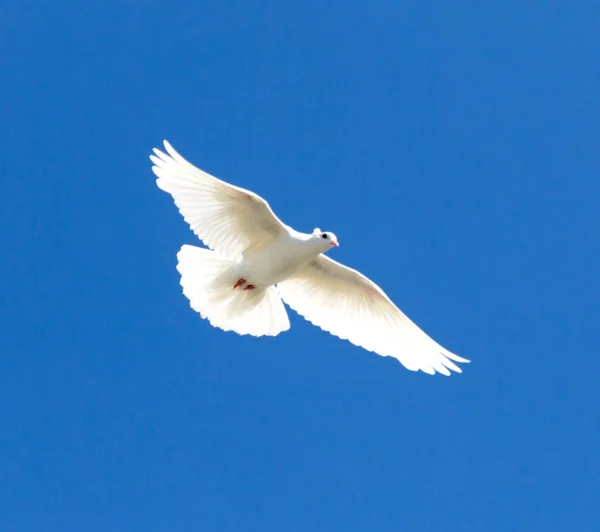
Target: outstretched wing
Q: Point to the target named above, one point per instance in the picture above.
(226, 218)
(345, 303)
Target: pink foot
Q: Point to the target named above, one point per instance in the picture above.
(239, 282)
(250, 287)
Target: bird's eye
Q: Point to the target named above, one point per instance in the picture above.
(324, 235)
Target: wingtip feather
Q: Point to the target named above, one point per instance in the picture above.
(456, 358)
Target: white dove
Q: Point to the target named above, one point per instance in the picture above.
(255, 261)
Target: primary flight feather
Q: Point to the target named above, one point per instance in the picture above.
(255, 261)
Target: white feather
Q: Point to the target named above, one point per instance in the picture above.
(226, 218)
(207, 279)
(345, 303)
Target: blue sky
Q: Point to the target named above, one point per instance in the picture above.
(454, 150)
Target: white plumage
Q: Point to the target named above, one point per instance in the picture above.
(256, 260)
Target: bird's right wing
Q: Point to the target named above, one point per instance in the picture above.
(345, 303)
(226, 218)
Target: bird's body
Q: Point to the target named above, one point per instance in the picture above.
(255, 261)
(276, 260)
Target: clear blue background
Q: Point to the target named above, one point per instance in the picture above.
(455, 150)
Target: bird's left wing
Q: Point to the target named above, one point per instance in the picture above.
(226, 218)
(345, 303)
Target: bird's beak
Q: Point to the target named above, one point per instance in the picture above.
(334, 243)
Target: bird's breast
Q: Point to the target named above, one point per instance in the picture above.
(275, 262)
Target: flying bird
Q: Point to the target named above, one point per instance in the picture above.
(255, 261)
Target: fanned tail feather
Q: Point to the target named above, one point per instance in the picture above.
(207, 280)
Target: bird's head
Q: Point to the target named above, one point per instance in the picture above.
(325, 238)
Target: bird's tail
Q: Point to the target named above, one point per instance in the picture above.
(208, 281)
